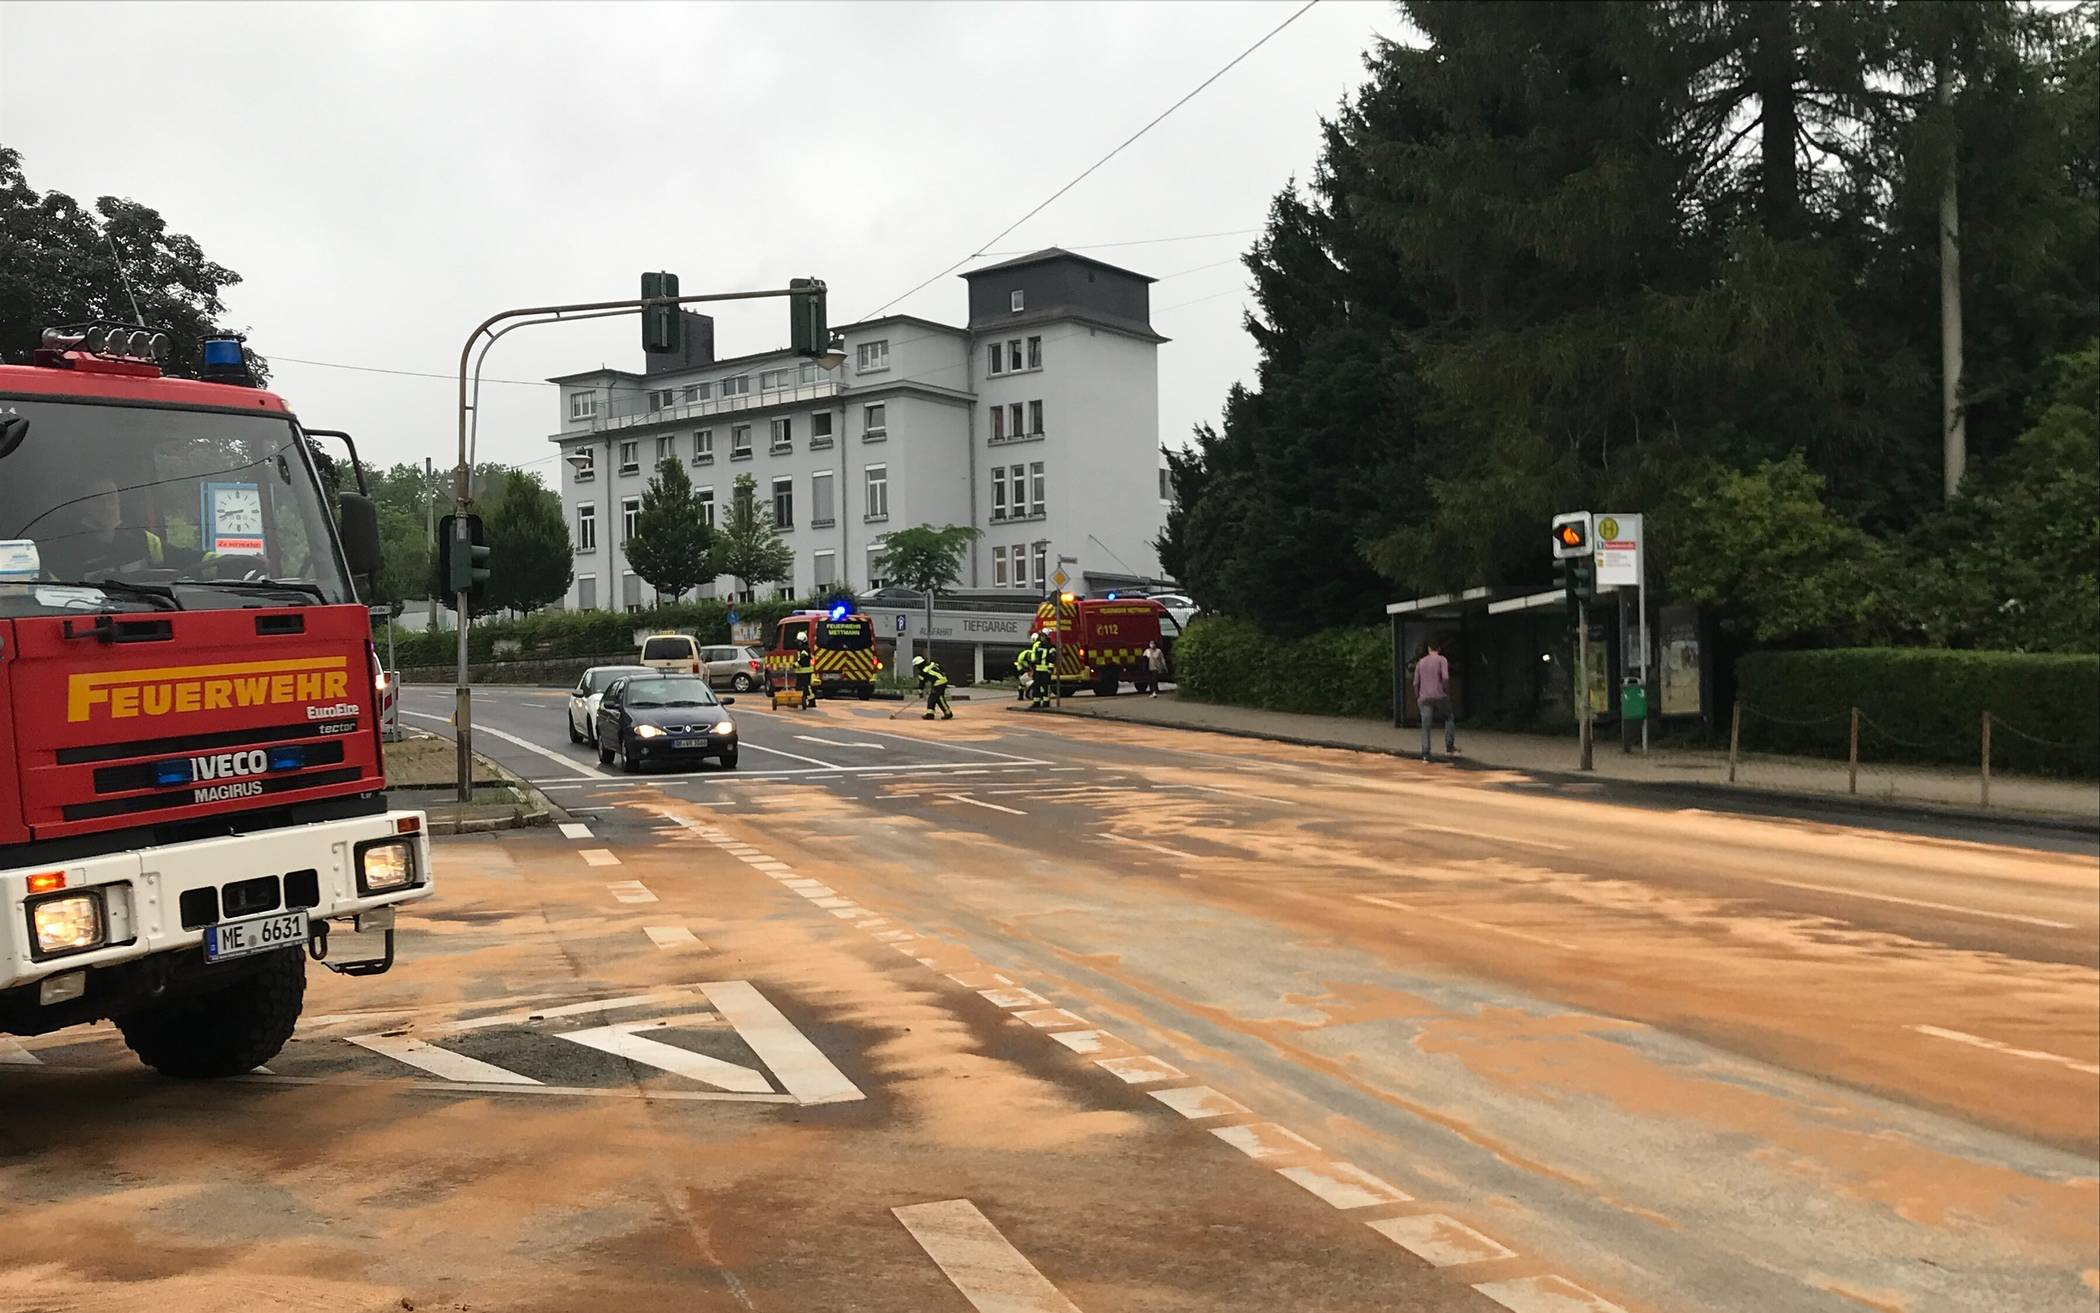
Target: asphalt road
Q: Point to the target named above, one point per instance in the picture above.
(1031, 1014)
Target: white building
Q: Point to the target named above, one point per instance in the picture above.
(1038, 425)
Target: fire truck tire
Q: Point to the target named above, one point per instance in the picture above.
(227, 1031)
(1108, 687)
(866, 692)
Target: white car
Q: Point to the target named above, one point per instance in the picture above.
(583, 699)
(1179, 605)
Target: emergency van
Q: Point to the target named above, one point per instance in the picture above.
(1101, 641)
(841, 647)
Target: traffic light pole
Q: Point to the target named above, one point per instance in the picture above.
(462, 693)
(1582, 679)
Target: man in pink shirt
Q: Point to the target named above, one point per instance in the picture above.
(1433, 696)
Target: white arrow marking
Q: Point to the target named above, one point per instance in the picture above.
(841, 743)
(440, 1062)
(621, 1041)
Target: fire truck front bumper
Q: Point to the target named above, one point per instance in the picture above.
(211, 899)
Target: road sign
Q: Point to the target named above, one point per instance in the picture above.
(1618, 540)
(1060, 579)
(901, 618)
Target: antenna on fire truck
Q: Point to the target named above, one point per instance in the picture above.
(118, 256)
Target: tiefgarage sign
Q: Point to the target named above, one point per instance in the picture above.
(1618, 551)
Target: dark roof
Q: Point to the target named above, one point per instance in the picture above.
(600, 372)
(1053, 253)
(902, 319)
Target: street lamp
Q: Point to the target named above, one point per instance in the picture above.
(834, 353)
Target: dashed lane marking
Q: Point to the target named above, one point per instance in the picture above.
(988, 806)
(1918, 902)
(1141, 1070)
(1412, 910)
(793, 756)
(1197, 1102)
(993, 1275)
(1086, 1041)
(671, 936)
(841, 743)
(1154, 847)
(631, 891)
(1013, 998)
(589, 772)
(1439, 1241)
(1547, 1294)
(1344, 1185)
(1262, 1141)
(1042, 1018)
(598, 856)
(1488, 835)
(575, 830)
(1999, 1046)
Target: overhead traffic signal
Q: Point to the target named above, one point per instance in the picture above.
(463, 556)
(808, 333)
(663, 328)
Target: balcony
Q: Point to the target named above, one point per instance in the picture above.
(627, 413)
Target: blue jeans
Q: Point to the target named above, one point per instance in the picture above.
(1431, 707)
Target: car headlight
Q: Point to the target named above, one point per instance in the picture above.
(68, 923)
(386, 866)
(648, 732)
(726, 727)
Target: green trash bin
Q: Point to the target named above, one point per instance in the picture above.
(1633, 700)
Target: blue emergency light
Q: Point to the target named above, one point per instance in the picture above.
(839, 612)
(220, 352)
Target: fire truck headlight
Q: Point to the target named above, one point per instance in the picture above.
(386, 866)
(68, 923)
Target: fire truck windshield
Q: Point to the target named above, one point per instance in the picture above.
(118, 507)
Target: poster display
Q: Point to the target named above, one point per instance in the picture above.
(1680, 662)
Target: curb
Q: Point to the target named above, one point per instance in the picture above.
(537, 809)
(1720, 793)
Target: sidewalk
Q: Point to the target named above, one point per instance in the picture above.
(421, 771)
(2069, 802)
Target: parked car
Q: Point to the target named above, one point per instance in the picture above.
(738, 668)
(583, 699)
(1179, 605)
(680, 652)
(653, 717)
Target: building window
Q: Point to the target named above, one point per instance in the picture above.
(703, 446)
(630, 512)
(661, 399)
(1035, 490)
(820, 506)
(1013, 352)
(878, 492)
(1014, 418)
(1035, 418)
(705, 497)
(998, 423)
(1035, 353)
(742, 496)
(874, 422)
(631, 591)
(587, 528)
(1042, 565)
(1020, 566)
(874, 565)
(872, 357)
(630, 456)
(736, 387)
(694, 392)
(783, 435)
(998, 567)
(820, 429)
(824, 569)
(583, 405)
(806, 372)
(740, 442)
(783, 503)
(586, 592)
(1015, 302)
(584, 460)
(998, 358)
(667, 448)
(999, 494)
(1017, 490)
(772, 380)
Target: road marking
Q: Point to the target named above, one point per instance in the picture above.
(1264, 1140)
(681, 994)
(802, 1070)
(1459, 920)
(439, 1062)
(589, 772)
(841, 743)
(1230, 793)
(671, 936)
(849, 910)
(803, 883)
(1344, 1185)
(1487, 835)
(13, 1051)
(1439, 1241)
(990, 1273)
(817, 891)
(1140, 1070)
(1158, 848)
(894, 936)
(978, 979)
(1999, 1046)
(1013, 998)
(620, 1040)
(1548, 1294)
(792, 756)
(833, 901)
(631, 891)
(1042, 1017)
(1196, 1102)
(1085, 1041)
(1917, 902)
(988, 806)
(598, 857)
(575, 830)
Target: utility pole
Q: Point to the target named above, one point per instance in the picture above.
(1954, 452)
(1582, 679)
(430, 531)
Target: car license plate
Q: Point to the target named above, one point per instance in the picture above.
(687, 745)
(255, 934)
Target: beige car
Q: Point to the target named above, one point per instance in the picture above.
(679, 653)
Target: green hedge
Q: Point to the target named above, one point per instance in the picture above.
(565, 634)
(1926, 705)
(1337, 672)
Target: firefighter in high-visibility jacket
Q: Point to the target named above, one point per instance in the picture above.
(806, 677)
(935, 681)
(1043, 676)
(1024, 666)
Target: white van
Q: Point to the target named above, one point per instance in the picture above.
(680, 652)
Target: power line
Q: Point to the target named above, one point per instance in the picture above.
(1201, 299)
(1144, 241)
(273, 358)
(1084, 174)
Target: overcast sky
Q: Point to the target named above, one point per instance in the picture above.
(385, 176)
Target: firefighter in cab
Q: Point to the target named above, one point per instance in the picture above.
(935, 681)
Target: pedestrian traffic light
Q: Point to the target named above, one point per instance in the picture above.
(663, 328)
(1571, 535)
(808, 333)
(463, 556)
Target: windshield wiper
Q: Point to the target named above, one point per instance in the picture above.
(160, 595)
(301, 586)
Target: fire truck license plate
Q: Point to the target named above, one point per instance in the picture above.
(255, 934)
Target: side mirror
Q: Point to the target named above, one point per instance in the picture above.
(359, 526)
(727, 702)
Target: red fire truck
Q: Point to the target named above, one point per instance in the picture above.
(194, 796)
(1100, 641)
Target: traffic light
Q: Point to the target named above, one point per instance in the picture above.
(463, 556)
(663, 328)
(808, 333)
(1571, 535)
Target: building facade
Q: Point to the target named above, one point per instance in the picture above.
(1037, 424)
